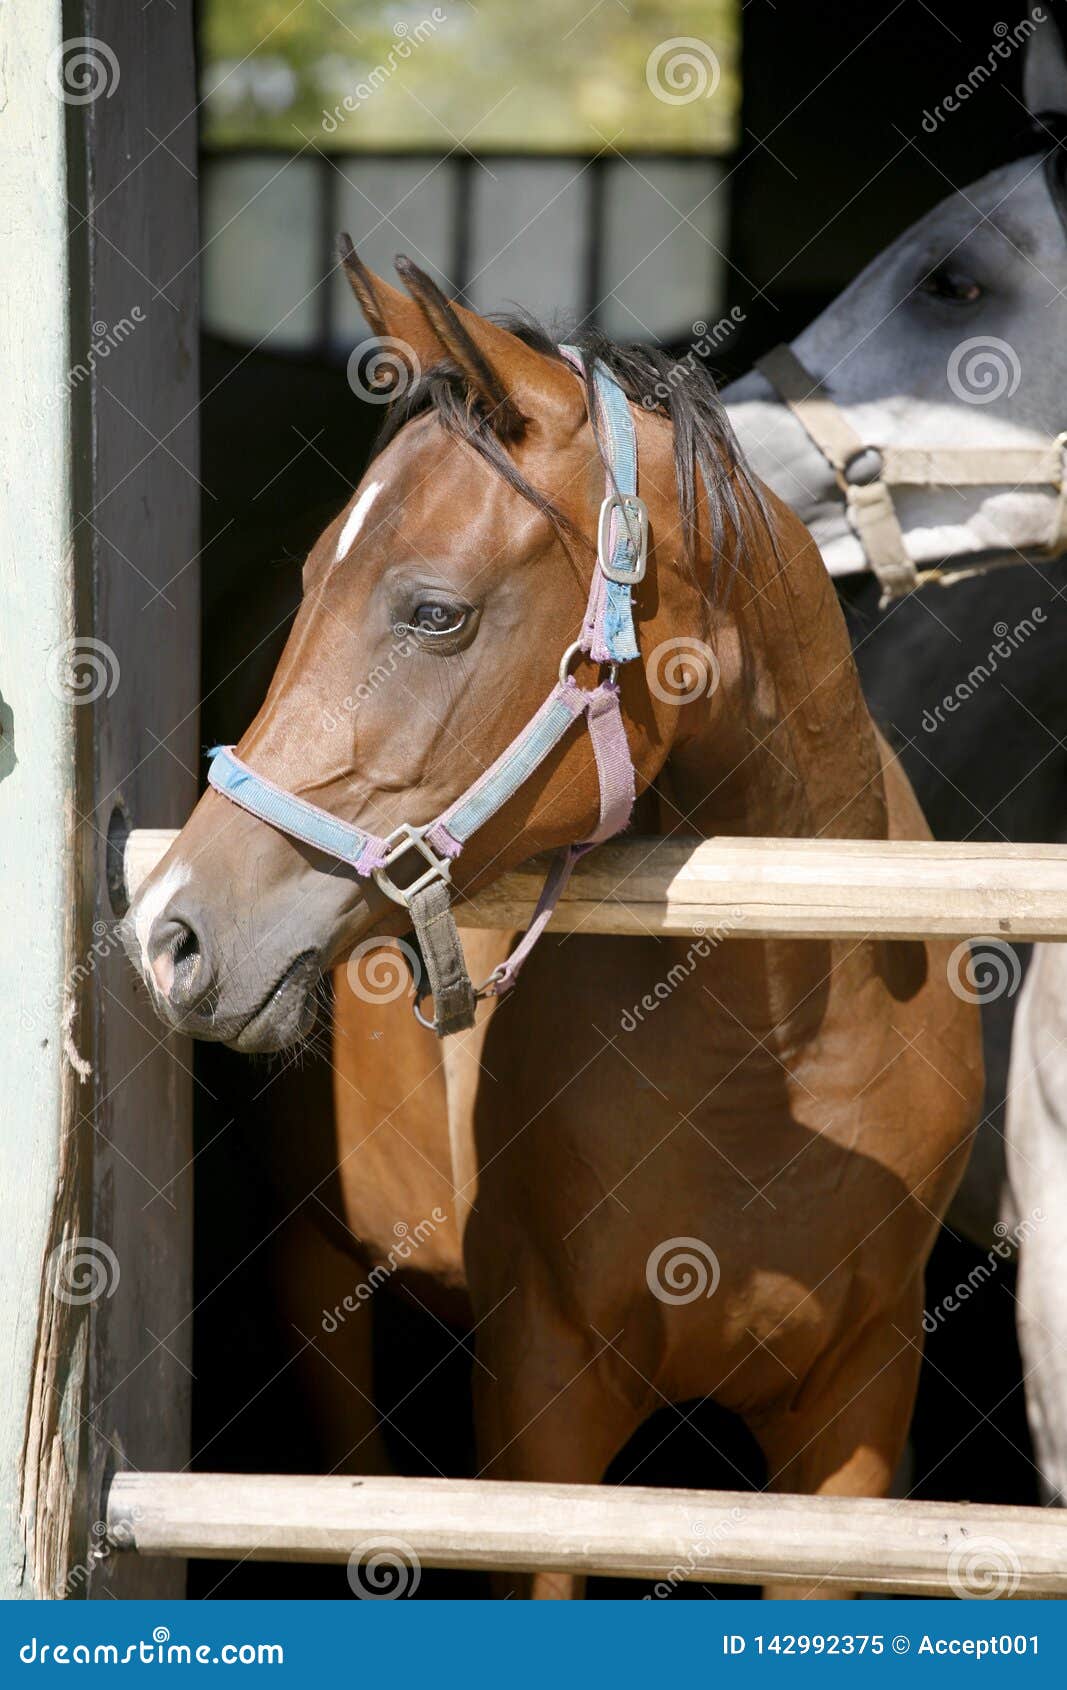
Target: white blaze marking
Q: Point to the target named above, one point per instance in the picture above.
(356, 517)
(154, 902)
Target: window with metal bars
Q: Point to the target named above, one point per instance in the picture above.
(632, 245)
(572, 162)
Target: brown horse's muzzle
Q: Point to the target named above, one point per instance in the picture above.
(234, 929)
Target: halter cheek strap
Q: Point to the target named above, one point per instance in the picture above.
(607, 636)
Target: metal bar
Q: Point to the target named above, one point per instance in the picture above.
(699, 152)
(328, 226)
(462, 168)
(595, 234)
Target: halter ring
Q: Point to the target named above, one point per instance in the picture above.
(575, 650)
(485, 990)
(567, 659)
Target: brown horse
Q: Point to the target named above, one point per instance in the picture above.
(731, 1193)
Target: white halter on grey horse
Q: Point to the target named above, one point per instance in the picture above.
(915, 380)
(917, 426)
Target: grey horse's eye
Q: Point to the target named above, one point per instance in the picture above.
(951, 285)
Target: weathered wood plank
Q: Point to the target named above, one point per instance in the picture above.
(42, 1339)
(774, 888)
(136, 531)
(835, 1543)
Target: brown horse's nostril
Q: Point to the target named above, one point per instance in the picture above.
(177, 961)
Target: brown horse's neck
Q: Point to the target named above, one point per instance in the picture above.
(785, 745)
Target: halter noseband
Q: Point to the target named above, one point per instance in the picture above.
(866, 473)
(607, 637)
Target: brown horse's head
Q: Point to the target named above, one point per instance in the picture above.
(435, 612)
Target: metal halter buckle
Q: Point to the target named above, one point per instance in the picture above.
(632, 512)
(403, 839)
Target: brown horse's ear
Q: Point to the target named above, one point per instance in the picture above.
(390, 313)
(514, 381)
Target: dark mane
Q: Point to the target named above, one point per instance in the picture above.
(707, 457)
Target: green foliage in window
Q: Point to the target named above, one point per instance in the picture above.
(485, 75)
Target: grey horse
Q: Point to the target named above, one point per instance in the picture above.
(916, 427)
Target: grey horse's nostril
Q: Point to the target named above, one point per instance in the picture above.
(176, 958)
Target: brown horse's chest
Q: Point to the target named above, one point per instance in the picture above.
(586, 1131)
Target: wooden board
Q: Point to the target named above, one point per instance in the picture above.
(774, 888)
(42, 1341)
(99, 666)
(836, 1543)
(137, 527)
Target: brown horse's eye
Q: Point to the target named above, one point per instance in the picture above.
(951, 285)
(437, 619)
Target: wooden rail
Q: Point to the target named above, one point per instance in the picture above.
(835, 1543)
(774, 888)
